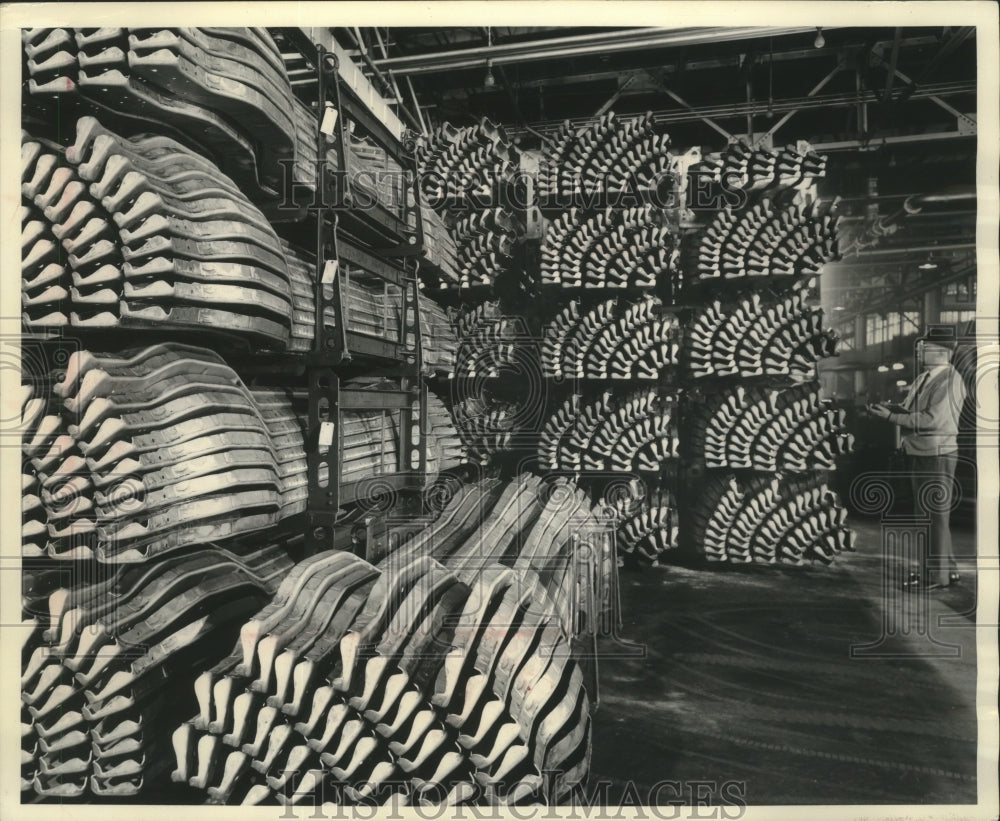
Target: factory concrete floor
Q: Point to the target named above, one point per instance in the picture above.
(823, 685)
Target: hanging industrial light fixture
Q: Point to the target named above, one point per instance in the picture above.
(489, 80)
(770, 78)
(820, 41)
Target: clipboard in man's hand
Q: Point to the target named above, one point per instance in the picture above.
(894, 408)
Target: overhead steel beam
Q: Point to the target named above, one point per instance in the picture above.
(969, 121)
(632, 39)
(892, 65)
(816, 89)
(915, 249)
(707, 120)
(962, 215)
(943, 53)
(879, 305)
(567, 79)
(875, 144)
(622, 88)
(606, 106)
(739, 109)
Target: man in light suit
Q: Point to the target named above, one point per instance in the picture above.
(929, 420)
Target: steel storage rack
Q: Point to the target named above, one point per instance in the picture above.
(371, 242)
(758, 439)
(606, 254)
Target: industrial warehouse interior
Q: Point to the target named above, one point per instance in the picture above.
(504, 416)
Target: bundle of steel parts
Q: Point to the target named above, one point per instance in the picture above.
(780, 235)
(464, 174)
(372, 305)
(494, 349)
(45, 274)
(462, 167)
(440, 247)
(485, 245)
(377, 177)
(488, 340)
(441, 676)
(157, 449)
(369, 439)
(630, 433)
(757, 338)
(648, 521)
(754, 257)
(469, 247)
(442, 350)
(157, 237)
(613, 340)
(766, 519)
(486, 424)
(35, 410)
(463, 177)
(445, 448)
(613, 248)
(105, 658)
(223, 92)
(742, 167)
(619, 188)
(788, 429)
(610, 158)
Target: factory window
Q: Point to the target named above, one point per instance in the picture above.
(963, 290)
(957, 317)
(847, 341)
(880, 329)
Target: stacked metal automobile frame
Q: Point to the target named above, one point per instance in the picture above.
(607, 262)
(440, 675)
(225, 399)
(757, 438)
(473, 222)
(690, 274)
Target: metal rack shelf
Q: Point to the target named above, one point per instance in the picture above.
(316, 81)
(697, 293)
(397, 234)
(328, 400)
(347, 344)
(551, 207)
(353, 237)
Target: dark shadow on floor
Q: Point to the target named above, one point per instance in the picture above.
(749, 678)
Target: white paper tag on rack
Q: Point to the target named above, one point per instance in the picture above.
(329, 121)
(330, 271)
(326, 435)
